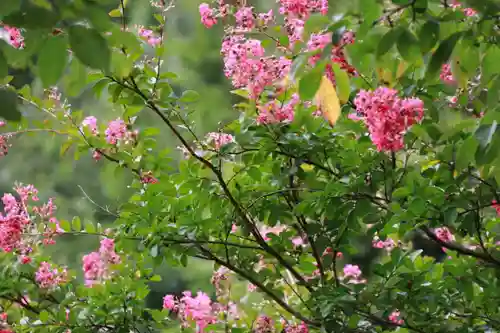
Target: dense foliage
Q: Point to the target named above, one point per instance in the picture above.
(378, 124)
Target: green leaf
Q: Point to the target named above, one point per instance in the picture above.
(315, 23)
(466, 152)
(407, 45)
(9, 6)
(189, 96)
(484, 133)
(9, 110)
(90, 47)
(44, 316)
(342, 83)
(155, 278)
(32, 17)
(442, 54)
(52, 60)
(490, 64)
(76, 223)
(4, 66)
(450, 216)
(309, 83)
(428, 36)
(90, 227)
(65, 225)
(387, 41)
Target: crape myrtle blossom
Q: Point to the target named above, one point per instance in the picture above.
(12, 36)
(387, 116)
(48, 277)
(97, 265)
(149, 36)
(19, 229)
(352, 274)
(219, 139)
(198, 309)
(388, 244)
(394, 317)
(116, 132)
(446, 75)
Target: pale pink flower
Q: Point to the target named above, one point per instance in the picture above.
(207, 15)
(394, 317)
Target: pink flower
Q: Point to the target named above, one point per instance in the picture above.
(273, 112)
(91, 123)
(352, 271)
(264, 324)
(496, 205)
(198, 309)
(48, 277)
(446, 75)
(266, 18)
(276, 230)
(296, 328)
(169, 302)
(2, 123)
(219, 139)
(303, 8)
(116, 131)
(207, 15)
(444, 234)
(251, 287)
(387, 116)
(148, 178)
(394, 318)
(96, 265)
(388, 244)
(14, 37)
(234, 228)
(244, 18)
(4, 145)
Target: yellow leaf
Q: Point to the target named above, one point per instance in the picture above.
(385, 76)
(327, 98)
(402, 67)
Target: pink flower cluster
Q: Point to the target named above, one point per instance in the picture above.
(296, 328)
(148, 178)
(13, 37)
(116, 132)
(496, 206)
(198, 309)
(394, 317)
(247, 67)
(467, 11)
(388, 244)
(220, 275)
(387, 116)
(149, 36)
(446, 75)
(207, 15)
(96, 265)
(444, 234)
(274, 112)
(264, 324)
(18, 230)
(302, 9)
(219, 139)
(352, 274)
(317, 42)
(48, 277)
(4, 145)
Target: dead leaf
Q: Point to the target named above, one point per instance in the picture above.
(327, 98)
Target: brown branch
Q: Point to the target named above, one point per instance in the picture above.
(460, 249)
